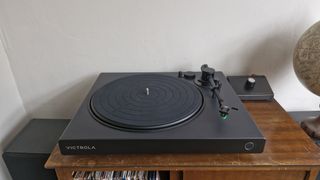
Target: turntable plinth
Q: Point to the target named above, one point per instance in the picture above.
(289, 154)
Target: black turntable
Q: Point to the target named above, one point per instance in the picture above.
(161, 113)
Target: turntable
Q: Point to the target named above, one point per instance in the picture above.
(185, 112)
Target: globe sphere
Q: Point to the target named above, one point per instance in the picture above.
(306, 59)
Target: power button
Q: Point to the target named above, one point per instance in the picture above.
(249, 146)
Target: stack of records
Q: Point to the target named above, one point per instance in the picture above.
(116, 175)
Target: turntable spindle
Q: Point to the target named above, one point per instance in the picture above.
(147, 91)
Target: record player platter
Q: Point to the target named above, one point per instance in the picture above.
(185, 112)
(146, 102)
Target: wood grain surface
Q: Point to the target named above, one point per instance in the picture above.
(287, 147)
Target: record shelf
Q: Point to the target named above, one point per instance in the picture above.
(289, 154)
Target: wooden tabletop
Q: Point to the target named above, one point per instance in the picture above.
(287, 146)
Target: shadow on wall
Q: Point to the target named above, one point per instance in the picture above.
(3, 171)
(13, 125)
(63, 101)
(269, 56)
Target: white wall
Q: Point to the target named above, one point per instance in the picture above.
(57, 48)
(12, 112)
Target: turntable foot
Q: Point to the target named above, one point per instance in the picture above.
(312, 127)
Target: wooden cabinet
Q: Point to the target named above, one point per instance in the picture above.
(289, 154)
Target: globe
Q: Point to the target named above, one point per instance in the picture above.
(306, 63)
(306, 59)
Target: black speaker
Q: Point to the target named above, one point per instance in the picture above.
(26, 155)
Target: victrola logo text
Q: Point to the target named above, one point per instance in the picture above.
(80, 147)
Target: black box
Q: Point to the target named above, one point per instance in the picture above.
(259, 90)
(26, 155)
